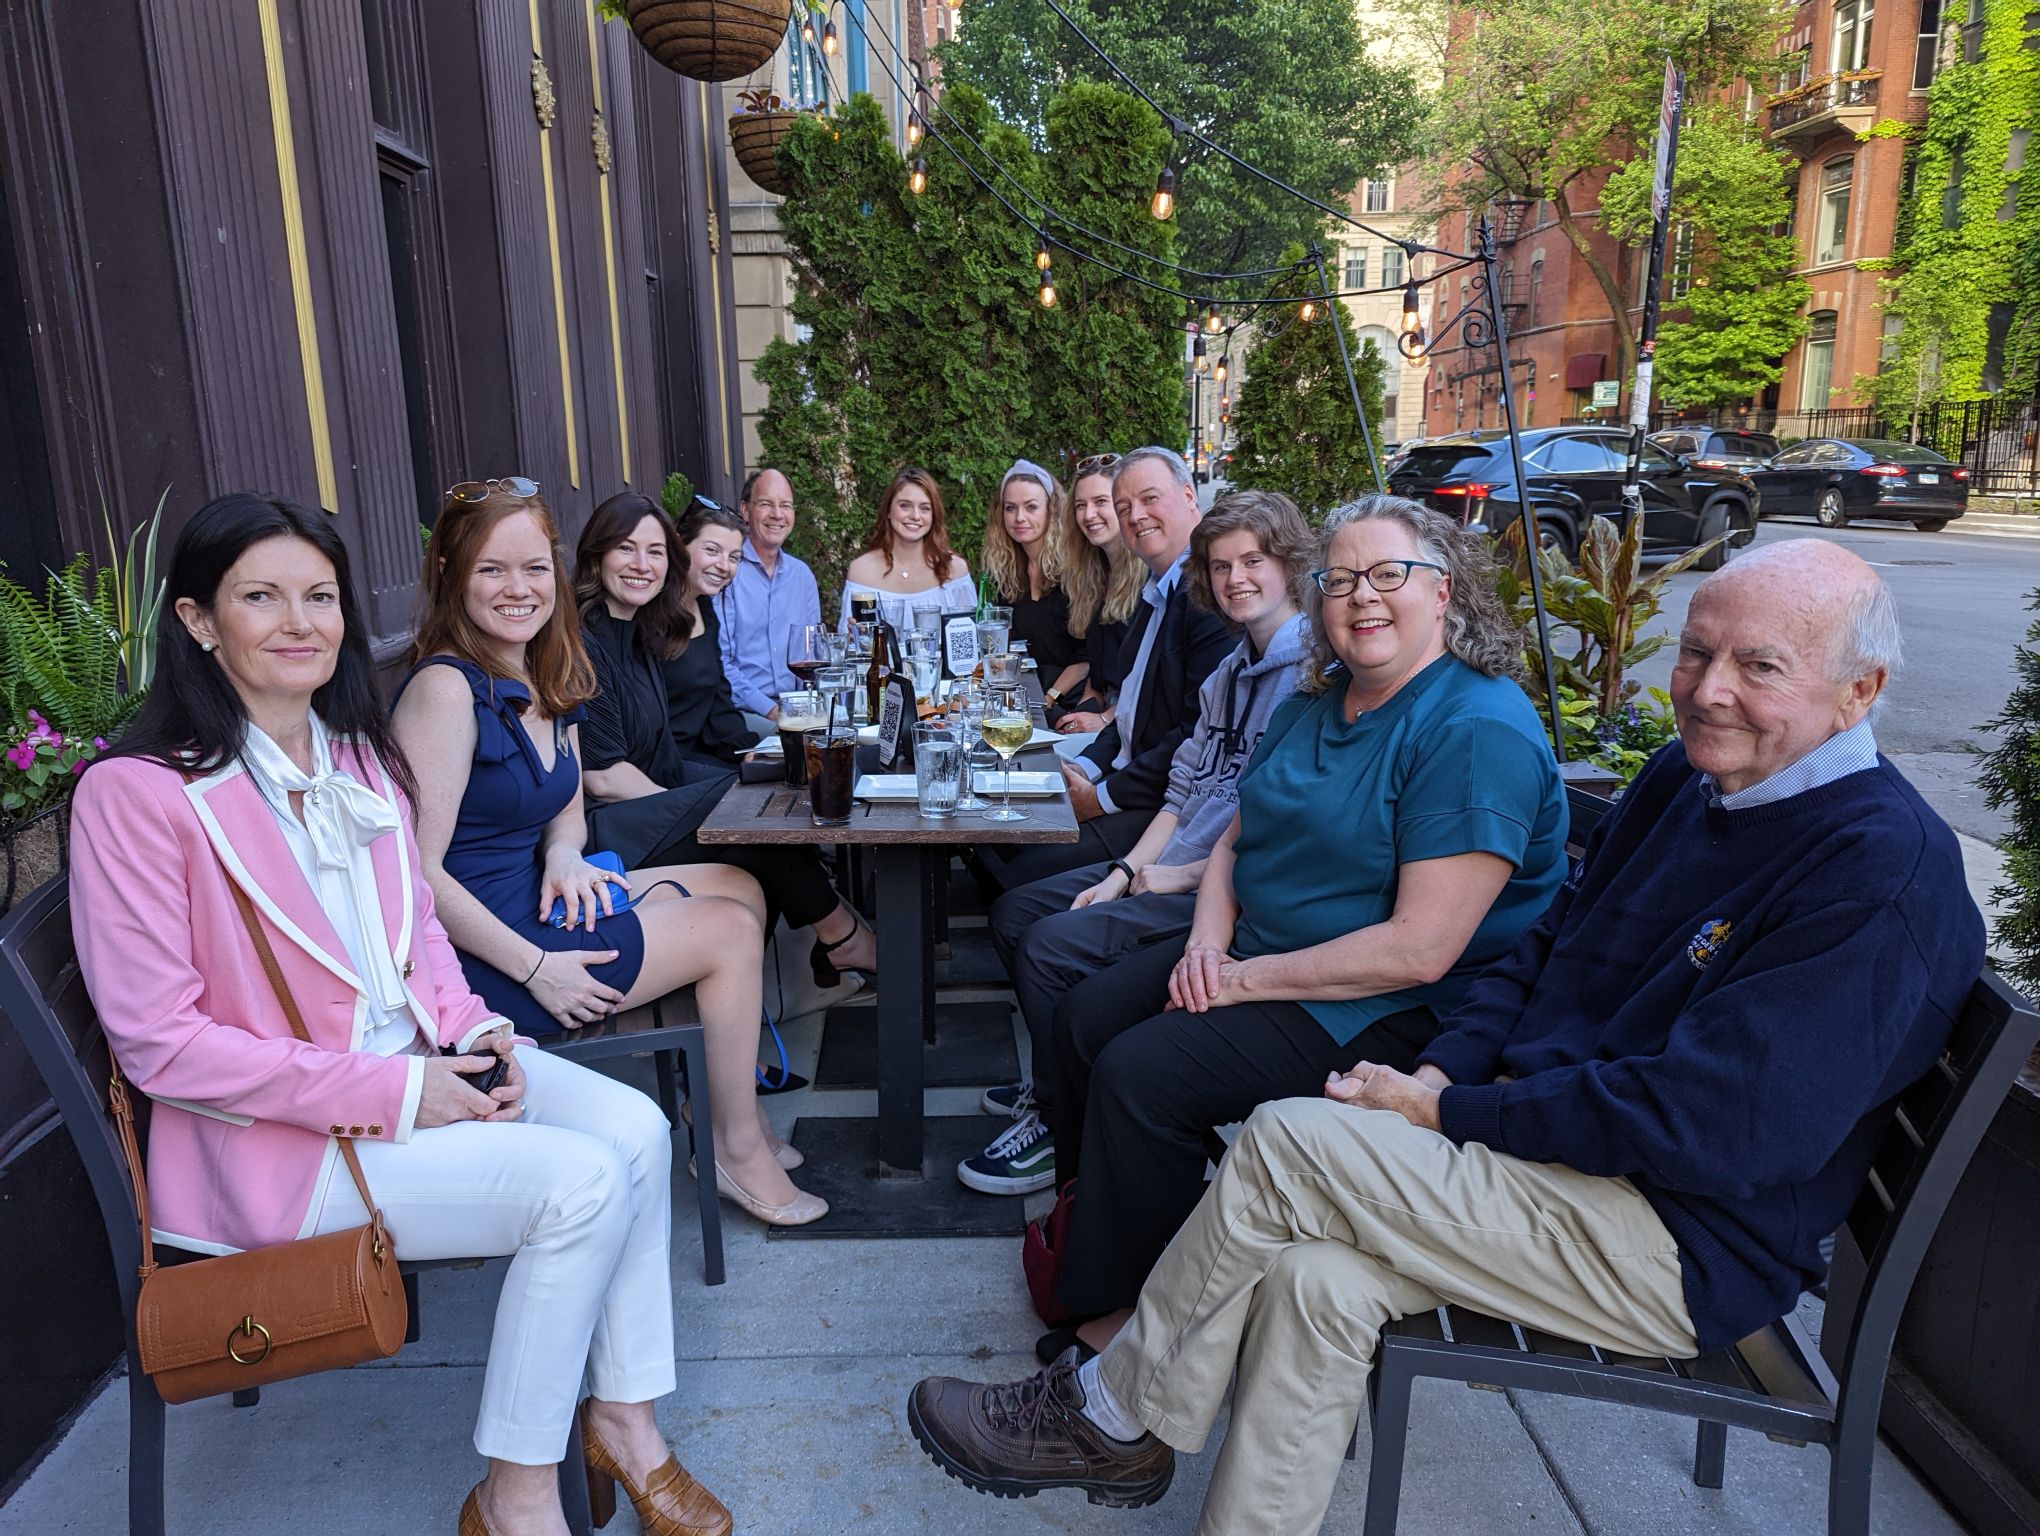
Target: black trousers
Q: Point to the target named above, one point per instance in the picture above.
(1048, 948)
(795, 884)
(1152, 1093)
(1110, 836)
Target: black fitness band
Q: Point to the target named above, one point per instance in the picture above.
(1123, 867)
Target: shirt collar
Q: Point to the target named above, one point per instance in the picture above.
(1157, 588)
(1844, 753)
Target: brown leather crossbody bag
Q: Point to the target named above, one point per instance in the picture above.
(266, 1314)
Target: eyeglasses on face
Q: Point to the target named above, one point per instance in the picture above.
(474, 492)
(1096, 464)
(1383, 576)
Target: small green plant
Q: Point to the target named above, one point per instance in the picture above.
(1622, 742)
(2011, 783)
(39, 764)
(676, 495)
(138, 597)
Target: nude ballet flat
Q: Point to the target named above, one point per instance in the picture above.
(797, 1212)
(787, 1156)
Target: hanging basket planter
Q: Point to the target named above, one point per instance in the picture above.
(755, 135)
(710, 39)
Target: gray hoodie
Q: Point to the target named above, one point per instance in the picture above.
(1234, 705)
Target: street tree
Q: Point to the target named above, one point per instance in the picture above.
(1293, 422)
(1541, 97)
(1288, 85)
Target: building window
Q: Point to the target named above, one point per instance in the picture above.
(1951, 193)
(1356, 266)
(1851, 47)
(1378, 196)
(1391, 409)
(1887, 341)
(1682, 260)
(1972, 33)
(1831, 229)
(1393, 272)
(1819, 370)
(1536, 290)
(1927, 50)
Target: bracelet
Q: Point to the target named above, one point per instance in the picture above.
(534, 968)
(1123, 867)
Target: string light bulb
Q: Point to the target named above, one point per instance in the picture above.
(1412, 322)
(1212, 323)
(829, 39)
(955, 5)
(1414, 344)
(914, 129)
(917, 176)
(1198, 360)
(1308, 312)
(1163, 204)
(1221, 370)
(807, 30)
(1042, 258)
(1047, 294)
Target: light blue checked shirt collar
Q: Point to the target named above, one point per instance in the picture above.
(1844, 753)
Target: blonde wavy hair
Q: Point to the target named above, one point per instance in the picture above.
(1102, 586)
(1478, 630)
(1007, 562)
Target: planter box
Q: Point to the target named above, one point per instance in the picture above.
(755, 137)
(1959, 1400)
(36, 851)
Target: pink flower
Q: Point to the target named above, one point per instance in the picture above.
(22, 755)
(42, 726)
(99, 743)
(79, 766)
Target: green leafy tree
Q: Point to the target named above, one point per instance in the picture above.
(1293, 422)
(1542, 97)
(2011, 783)
(1288, 85)
(925, 343)
(1726, 337)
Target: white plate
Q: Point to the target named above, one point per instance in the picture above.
(988, 781)
(899, 788)
(880, 787)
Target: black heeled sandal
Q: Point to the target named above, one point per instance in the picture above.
(826, 972)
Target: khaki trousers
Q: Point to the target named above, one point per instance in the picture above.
(1325, 1222)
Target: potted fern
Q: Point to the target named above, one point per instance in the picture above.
(75, 664)
(757, 128)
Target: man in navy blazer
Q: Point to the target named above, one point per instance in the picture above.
(1116, 784)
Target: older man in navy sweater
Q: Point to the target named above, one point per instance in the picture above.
(1634, 1132)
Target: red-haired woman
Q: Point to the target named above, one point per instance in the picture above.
(907, 557)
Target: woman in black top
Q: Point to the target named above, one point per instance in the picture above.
(637, 595)
(1027, 549)
(1103, 580)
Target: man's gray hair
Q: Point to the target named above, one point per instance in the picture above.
(1168, 458)
(1868, 637)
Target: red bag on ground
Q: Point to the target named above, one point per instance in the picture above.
(1042, 1252)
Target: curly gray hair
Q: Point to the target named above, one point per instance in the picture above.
(1478, 630)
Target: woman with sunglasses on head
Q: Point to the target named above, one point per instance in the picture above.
(490, 718)
(643, 609)
(260, 792)
(1030, 543)
(906, 557)
(1398, 827)
(1103, 582)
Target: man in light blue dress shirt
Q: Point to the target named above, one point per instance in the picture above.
(771, 592)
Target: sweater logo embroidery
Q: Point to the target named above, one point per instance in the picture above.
(1706, 944)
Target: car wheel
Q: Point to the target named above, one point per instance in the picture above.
(1715, 522)
(1930, 524)
(1552, 535)
(1828, 510)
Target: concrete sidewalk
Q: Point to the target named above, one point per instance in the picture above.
(793, 1383)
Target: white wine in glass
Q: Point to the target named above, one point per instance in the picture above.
(1006, 730)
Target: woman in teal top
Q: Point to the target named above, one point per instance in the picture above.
(1401, 823)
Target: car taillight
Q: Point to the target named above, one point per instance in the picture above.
(1472, 488)
(1712, 464)
(1883, 469)
(1958, 474)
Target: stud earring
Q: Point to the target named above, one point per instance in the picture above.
(206, 646)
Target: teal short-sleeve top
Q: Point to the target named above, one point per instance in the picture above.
(1455, 762)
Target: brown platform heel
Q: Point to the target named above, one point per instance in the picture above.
(671, 1503)
(471, 1521)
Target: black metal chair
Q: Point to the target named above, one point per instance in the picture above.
(1774, 1380)
(670, 1026)
(44, 997)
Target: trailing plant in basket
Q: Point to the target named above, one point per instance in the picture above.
(2011, 783)
(38, 765)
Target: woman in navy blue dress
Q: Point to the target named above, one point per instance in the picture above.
(489, 719)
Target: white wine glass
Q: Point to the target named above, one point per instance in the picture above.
(1006, 729)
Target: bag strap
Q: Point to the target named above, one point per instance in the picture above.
(122, 1105)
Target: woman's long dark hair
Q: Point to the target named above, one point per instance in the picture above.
(659, 622)
(194, 720)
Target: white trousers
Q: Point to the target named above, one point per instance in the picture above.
(577, 1192)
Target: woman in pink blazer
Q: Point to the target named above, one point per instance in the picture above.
(262, 761)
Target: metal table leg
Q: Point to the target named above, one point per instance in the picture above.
(906, 1003)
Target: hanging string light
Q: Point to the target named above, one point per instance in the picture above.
(1224, 367)
(1163, 203)
(807, 30)
(829, 39)
(915, 128)
(1212, 323)
(1197, 358)
(1042, 259)
(1308, 312)
(917, 176)
(1047, 294)
(1412, 322)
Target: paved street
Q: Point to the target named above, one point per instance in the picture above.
(1962, 602)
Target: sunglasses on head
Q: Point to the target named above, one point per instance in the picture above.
(474, 492)
(1097, 463)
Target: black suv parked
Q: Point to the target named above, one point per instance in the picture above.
(1576, 473)
(1717, 447)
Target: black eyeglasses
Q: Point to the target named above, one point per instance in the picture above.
(1383, 576)
(474, 492)
(1096, 464)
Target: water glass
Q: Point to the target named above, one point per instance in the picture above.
(832, 680)
(924, 658)
(1003, 671)
(938, 768)
(993, 636)
(926, 619)
(970, 701)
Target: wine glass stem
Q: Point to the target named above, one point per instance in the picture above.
(1006, 763)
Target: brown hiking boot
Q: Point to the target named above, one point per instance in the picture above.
(1015, 1439)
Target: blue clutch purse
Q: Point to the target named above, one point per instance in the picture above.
(620, 898)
